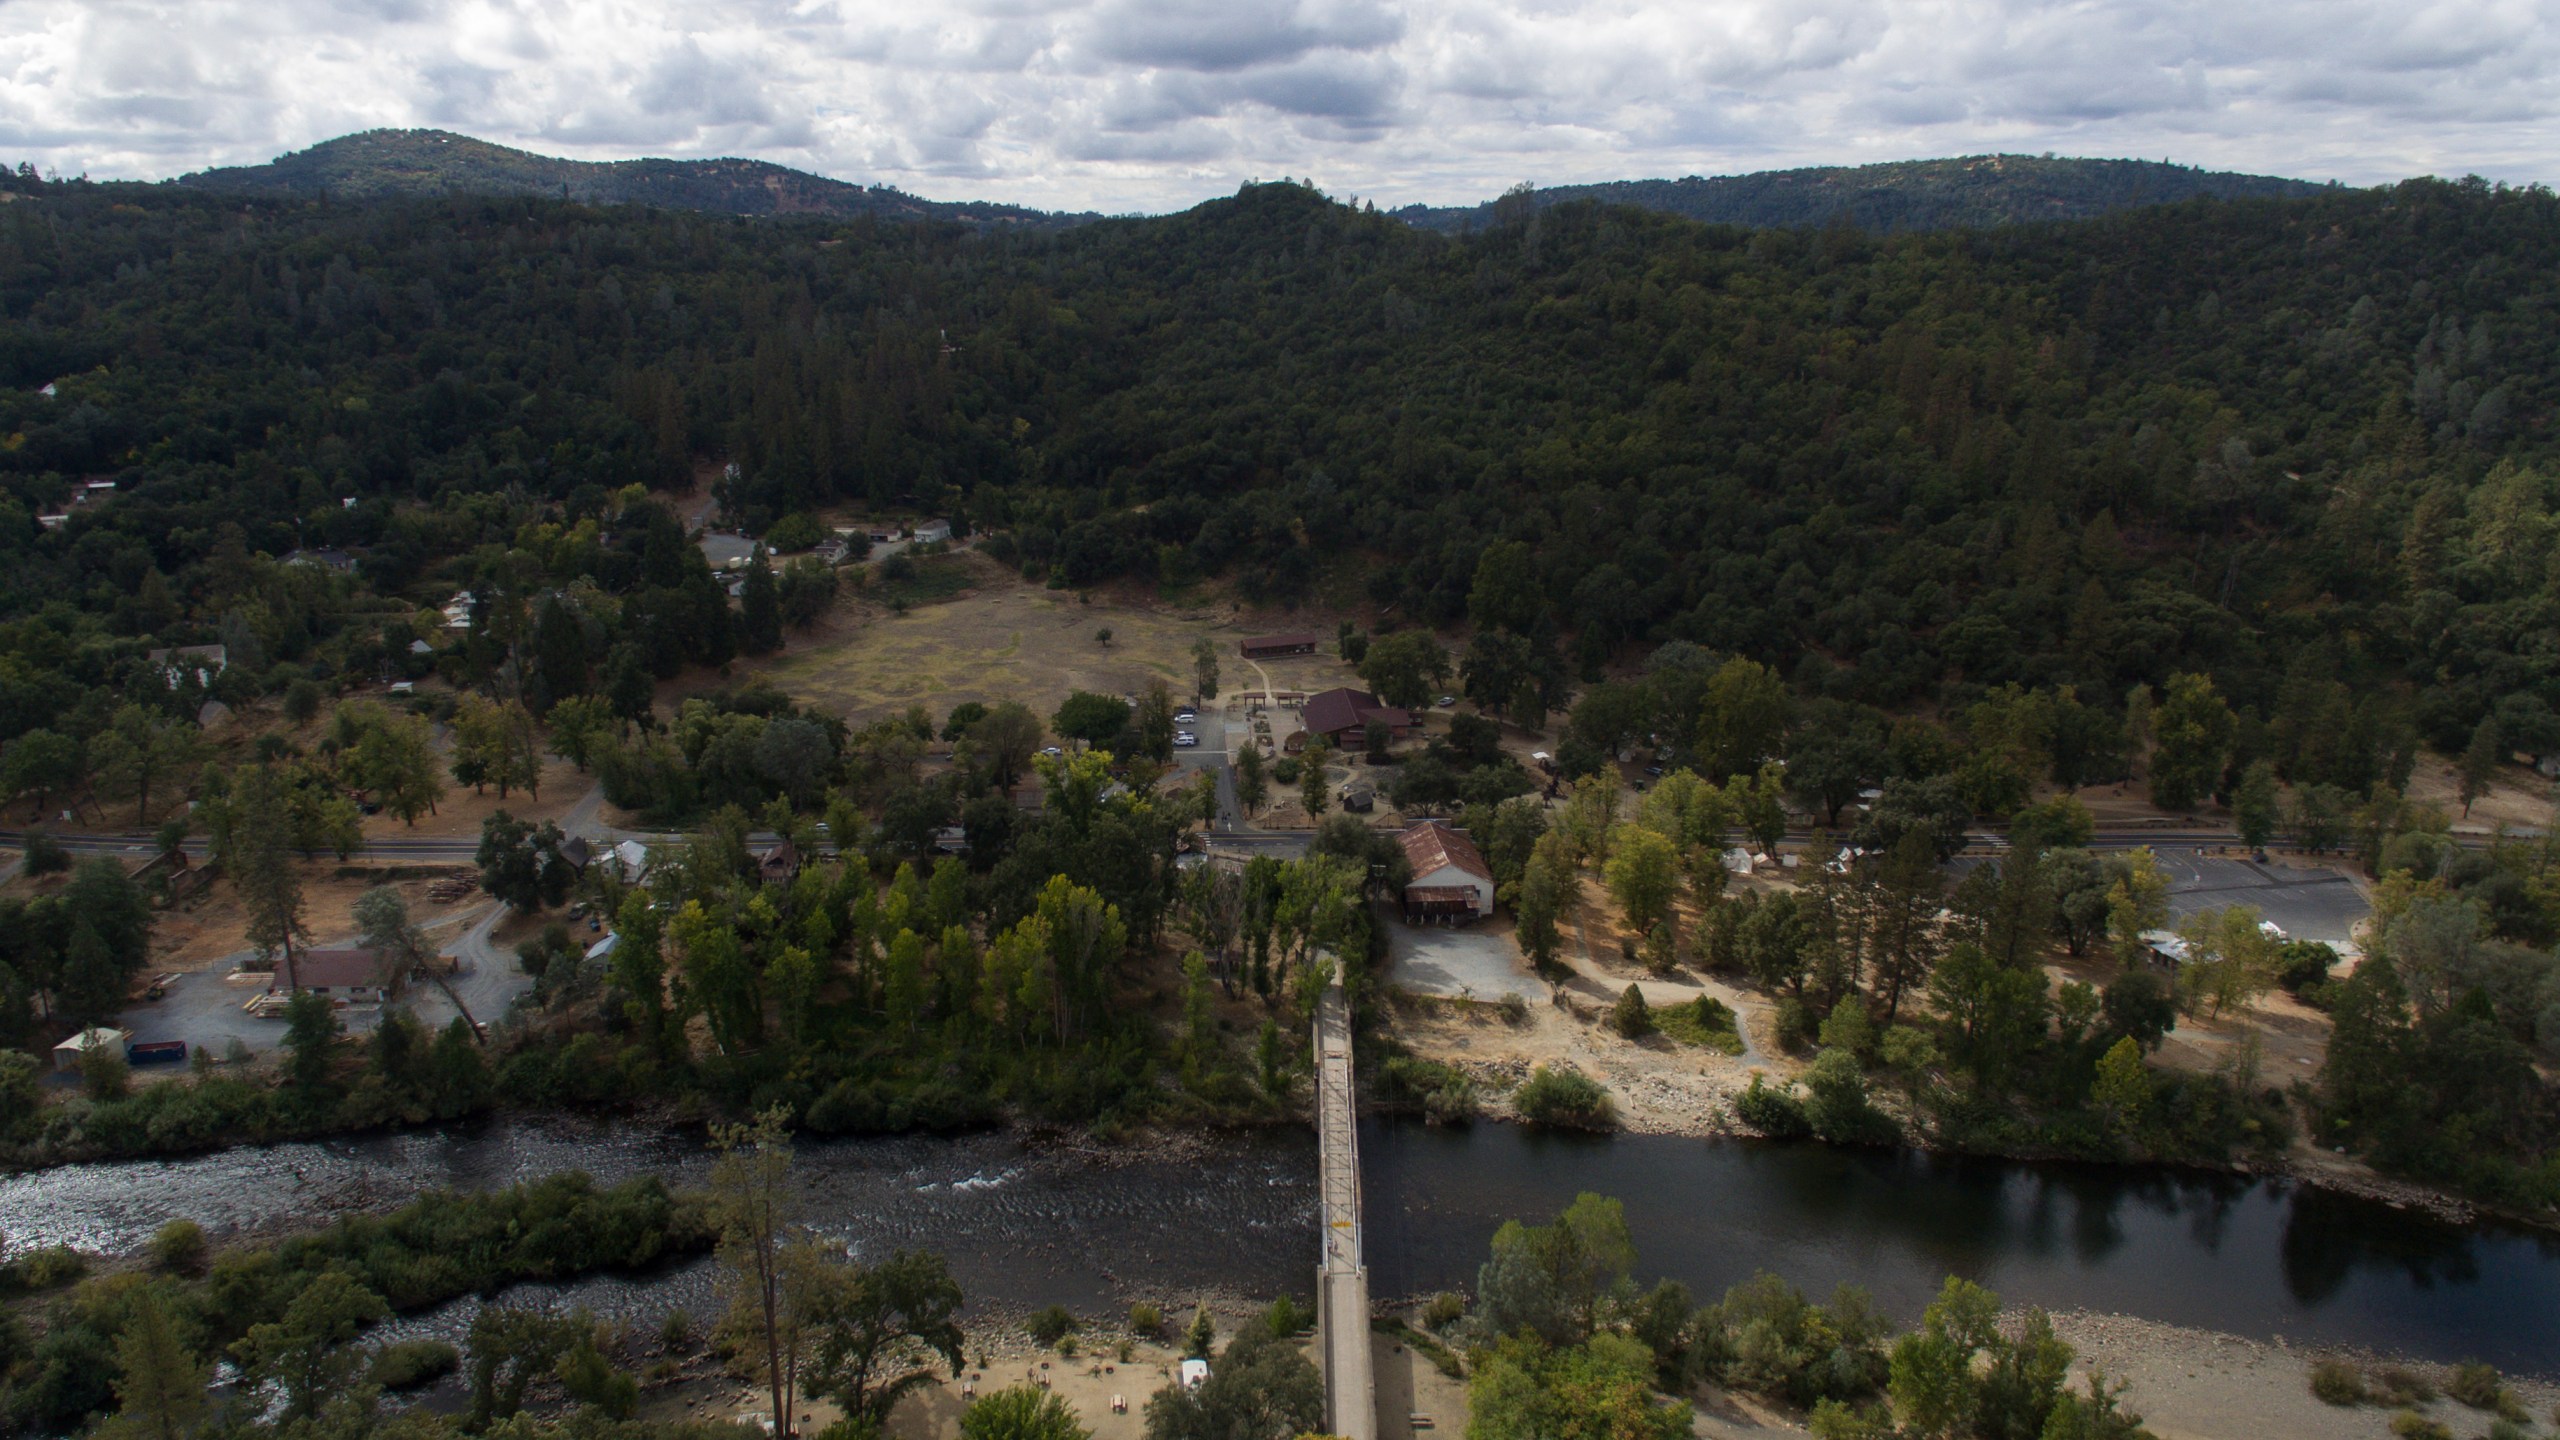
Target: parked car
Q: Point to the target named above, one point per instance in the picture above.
(1445, 701)
(1184, 740)
(1052, 751)
(1185, 716)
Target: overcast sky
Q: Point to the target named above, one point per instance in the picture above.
(1123, 105)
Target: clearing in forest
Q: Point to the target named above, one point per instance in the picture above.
(1000, 638)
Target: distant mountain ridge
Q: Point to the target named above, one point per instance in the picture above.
(1969, 191)
(409, 163)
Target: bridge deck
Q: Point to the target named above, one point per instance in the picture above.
(1342, 1281)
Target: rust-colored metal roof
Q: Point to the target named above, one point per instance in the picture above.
(1433, 845)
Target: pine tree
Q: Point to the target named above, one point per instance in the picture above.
(160, 1385)
(1313, 784)
(760, 623)
(2254, 807)
(560, 655)
(250, 845)
(2480, 762)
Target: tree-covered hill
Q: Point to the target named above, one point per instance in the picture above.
(2303, 446)
(379, 164)
(1973, 190)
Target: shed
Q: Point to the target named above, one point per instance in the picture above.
(779, 865)
(1451, 883)
(351, 974)
(2166, 947)
(69, 1054)
(931, 532)
(1271, 647)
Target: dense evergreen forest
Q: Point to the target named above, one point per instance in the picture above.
(1975, 190)
(2285, 462)
(2301, 446)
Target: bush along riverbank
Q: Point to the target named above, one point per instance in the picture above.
(64, 1330)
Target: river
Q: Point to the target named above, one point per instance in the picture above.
(1024, 1226)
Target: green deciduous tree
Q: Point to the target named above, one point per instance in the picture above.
(495, 742)
(1093, 719)
(2122, 1090)
(1601, 1389)
(141, 750)
(875, 1331)
(1405, 668)
(1204, 667)
(1262, 1388)
(758, 1212)
(308, 1353)
(520, 862)
(1549, 1280)
(2193, 729)
(1643, 874)
(1742, 717)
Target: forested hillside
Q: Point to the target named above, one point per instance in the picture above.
(2302, 446)
(1974, 190)
(385, 164)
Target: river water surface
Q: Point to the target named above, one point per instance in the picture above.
(1026, 1226)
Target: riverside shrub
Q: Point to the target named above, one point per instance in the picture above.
(2335, 1382)
(1565, 1099)
(1774, 1113)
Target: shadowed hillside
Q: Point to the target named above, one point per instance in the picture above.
(1975, 191)
(383, 163)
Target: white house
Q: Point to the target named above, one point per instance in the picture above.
(632, 859)
(931, 532)
(1451, 884)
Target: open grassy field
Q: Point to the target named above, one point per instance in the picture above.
(999, 638)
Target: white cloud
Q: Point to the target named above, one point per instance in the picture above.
(1153, 104)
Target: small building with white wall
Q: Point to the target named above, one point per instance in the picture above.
(1451, 882)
